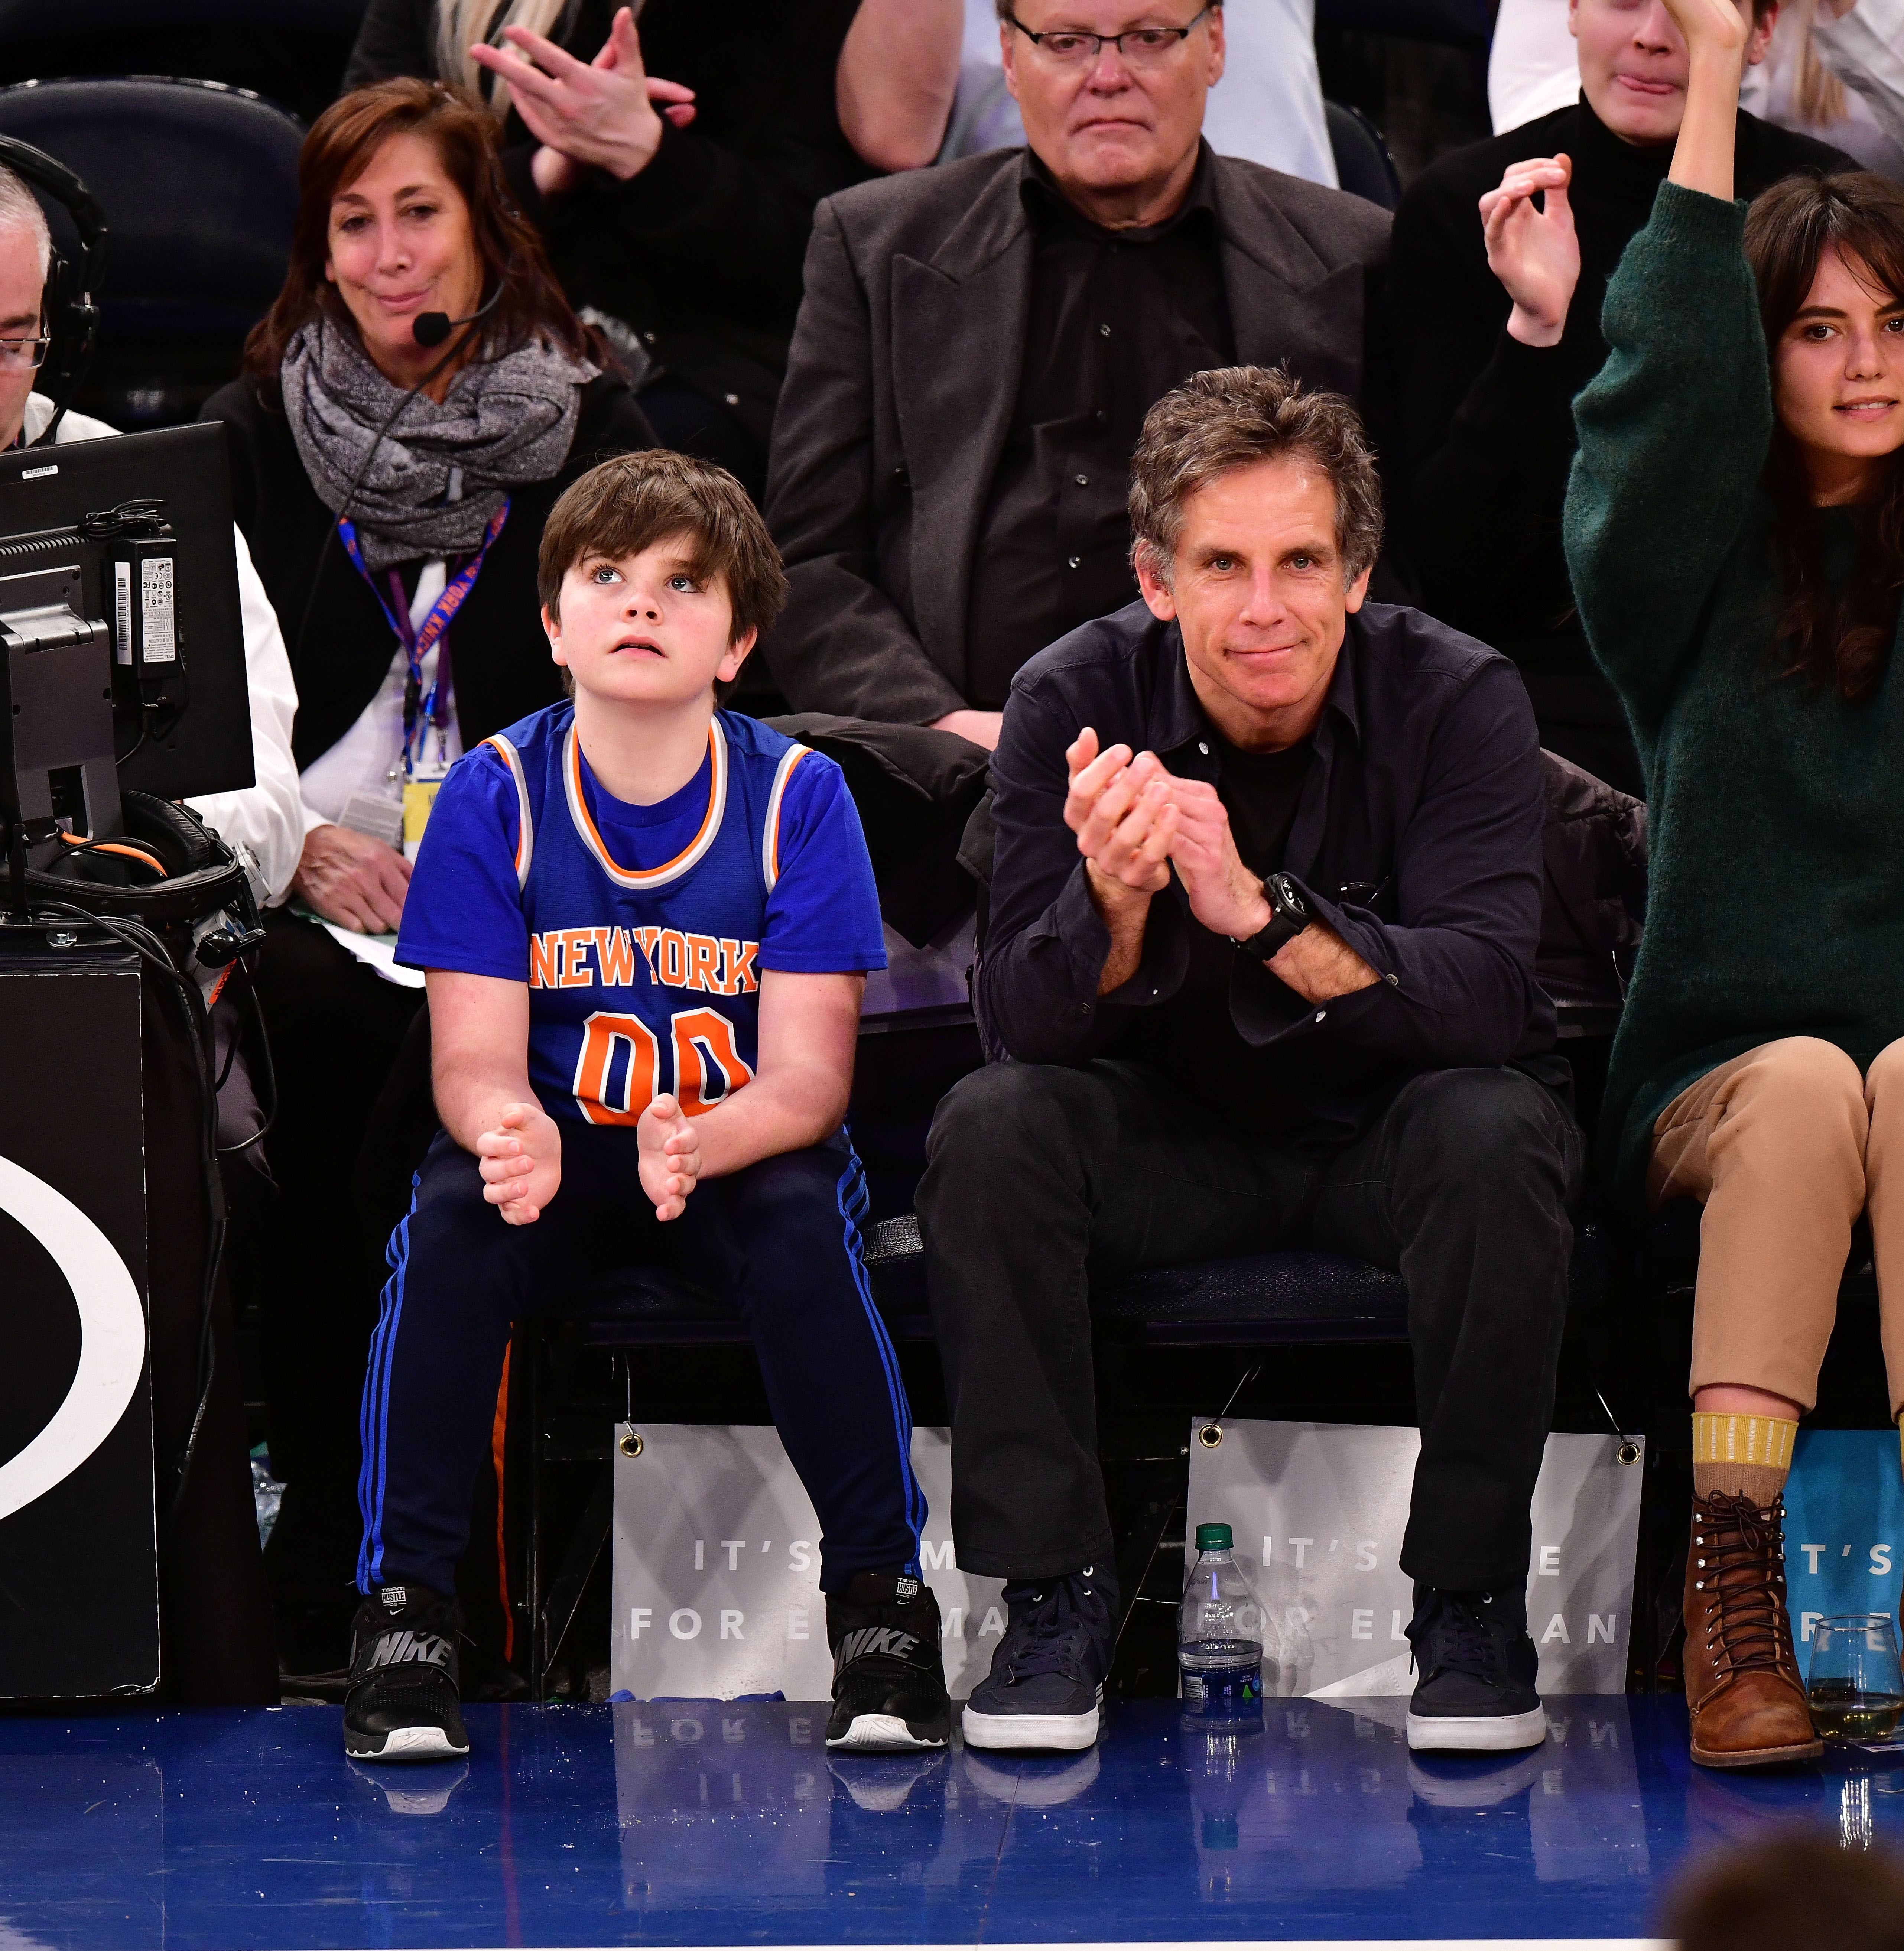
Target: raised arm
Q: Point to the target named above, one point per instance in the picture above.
(1673, 433)
(1486, 432)
(898, 72)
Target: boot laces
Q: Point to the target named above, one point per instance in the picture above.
(1458, 1640)
(1046, 1635)
(1740, 1558)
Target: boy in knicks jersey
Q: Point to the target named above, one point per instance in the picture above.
(645, 923)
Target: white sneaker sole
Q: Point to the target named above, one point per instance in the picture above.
(1477, 1733)
(409, 1744)
(880, 1734)
(1065, 1733)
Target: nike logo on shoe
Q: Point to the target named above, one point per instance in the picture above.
(874, 1639)
(408, 1649)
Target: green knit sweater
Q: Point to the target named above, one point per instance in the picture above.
(1776, 902)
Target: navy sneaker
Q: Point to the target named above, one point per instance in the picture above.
(888, 1671)
(1047, 1682)
(1476, 1664)
(405, 1702)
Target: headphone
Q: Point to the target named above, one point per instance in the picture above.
(70, 304)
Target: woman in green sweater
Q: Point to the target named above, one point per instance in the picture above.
(1735, 530)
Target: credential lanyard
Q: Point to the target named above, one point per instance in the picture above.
(417, 640)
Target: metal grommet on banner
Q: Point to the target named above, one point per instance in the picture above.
(631, 1445)
(1210, 1436)
(1628, 1453)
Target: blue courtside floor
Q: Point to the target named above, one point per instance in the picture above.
(709, 1823)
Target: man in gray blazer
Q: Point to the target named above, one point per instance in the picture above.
(979, 345)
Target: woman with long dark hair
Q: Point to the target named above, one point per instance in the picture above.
(1735, 530)
(391, 479)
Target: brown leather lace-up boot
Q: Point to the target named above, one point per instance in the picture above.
(1742, 1683)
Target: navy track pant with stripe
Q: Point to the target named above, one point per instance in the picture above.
(781, 1239)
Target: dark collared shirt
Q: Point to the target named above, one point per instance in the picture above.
(1117, 318)
(1417, 838)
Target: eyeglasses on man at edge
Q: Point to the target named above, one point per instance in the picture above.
(1141, 47)
(15, 353)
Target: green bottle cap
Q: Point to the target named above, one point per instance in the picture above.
(1214, 1537)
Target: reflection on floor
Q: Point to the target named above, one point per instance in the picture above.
(711, 1823)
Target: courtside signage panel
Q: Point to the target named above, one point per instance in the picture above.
(1318, 1511)
(716, 1568)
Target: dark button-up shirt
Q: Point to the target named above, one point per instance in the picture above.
(1117, 318)
(1418, 839)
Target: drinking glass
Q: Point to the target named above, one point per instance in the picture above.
(1856, 1691)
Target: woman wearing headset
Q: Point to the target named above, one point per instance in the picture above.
(392, 478)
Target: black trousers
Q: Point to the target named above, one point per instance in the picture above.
(1042, 1180)
(782, 1238)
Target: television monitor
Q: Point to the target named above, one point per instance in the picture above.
(122, 547)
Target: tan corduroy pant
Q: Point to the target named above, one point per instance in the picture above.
(1786, 1146)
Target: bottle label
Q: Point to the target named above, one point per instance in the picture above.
(1223, 1691)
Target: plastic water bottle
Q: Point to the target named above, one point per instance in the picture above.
(1220, 1633)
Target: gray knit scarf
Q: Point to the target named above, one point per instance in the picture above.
(442, 471)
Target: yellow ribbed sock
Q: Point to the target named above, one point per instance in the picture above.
(1741, 1455)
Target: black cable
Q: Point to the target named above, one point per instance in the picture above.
(113, 849)
(267, 1077)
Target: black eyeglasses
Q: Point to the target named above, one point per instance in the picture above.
(1141, 47)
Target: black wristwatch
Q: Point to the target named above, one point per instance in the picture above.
(1289, 915)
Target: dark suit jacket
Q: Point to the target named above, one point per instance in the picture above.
(902, 380)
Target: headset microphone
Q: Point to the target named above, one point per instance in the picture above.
(429, 329)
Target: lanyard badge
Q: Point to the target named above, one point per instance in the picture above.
(420, 712)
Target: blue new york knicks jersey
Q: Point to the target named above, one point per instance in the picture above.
(641, 931)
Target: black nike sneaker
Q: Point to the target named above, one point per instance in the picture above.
(888, 1673)
(405, 1704)
(1477, 1665)
(1047, 1681)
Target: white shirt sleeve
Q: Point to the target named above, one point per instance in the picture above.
(269, 816)
(1866, 51)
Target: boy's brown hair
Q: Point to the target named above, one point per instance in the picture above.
(634, 501)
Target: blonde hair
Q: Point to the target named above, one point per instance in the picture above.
(1817, 93)
(460, 23)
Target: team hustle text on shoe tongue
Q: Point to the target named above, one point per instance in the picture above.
(1747, 1703)
(888, 1670)
(1475, 1666)
(1047, 1682)
(405, 1702)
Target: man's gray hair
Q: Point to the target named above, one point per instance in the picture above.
(20, 210)
(1235, 416)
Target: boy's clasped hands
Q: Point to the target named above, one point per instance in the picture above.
(521, 1159)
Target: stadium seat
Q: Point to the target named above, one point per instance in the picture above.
(291, 51)
(1363, 165)
(198, 182)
